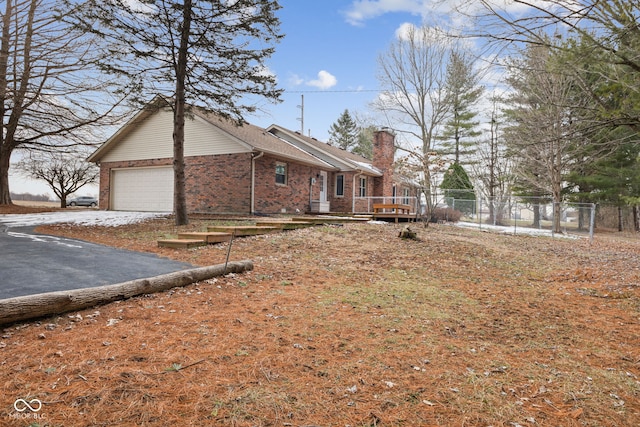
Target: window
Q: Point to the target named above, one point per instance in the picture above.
(363, 187)
(339, 185)
(281, 173)
(405, 195)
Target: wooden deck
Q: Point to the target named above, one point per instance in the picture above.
(397, 212)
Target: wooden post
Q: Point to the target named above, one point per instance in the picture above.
(33, 306)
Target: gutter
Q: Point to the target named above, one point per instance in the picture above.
(254, 157)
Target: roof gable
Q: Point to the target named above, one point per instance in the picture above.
(149, 135)
(339, 158)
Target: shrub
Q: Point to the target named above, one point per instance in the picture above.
(445, 214)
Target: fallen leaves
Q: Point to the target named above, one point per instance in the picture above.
(351, 326)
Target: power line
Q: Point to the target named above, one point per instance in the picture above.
(334, 91)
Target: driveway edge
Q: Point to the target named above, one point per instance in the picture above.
(46, 304)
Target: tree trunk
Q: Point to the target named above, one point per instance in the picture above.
(557, 210)
(536, 216)
(5, 159)
(5, 152)
(179, 196)
(33, 306)
(581, 217)
(620, 227)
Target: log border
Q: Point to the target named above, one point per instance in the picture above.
(29, 307)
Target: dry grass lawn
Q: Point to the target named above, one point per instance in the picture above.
(347, 326)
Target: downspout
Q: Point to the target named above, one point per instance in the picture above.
(353, 190)
(254, 157)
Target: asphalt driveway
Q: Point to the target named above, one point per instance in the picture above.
(32, 263)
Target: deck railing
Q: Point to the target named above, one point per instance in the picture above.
(364, 205)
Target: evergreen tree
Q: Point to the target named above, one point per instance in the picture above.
(614, 177)
(458, 189)
(464, 92)
(544, 138)
(344, 132)
(364, 146)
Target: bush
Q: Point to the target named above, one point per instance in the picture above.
(445, 214)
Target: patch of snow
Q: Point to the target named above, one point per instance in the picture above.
(88, 217)
(44, 239)
(514, 230)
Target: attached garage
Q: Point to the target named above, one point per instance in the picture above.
(142, 189)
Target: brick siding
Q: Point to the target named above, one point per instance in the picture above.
(222, 184)
(272, 198)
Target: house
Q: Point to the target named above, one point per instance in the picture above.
(240, 169)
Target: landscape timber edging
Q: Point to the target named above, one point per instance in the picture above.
(28, 307)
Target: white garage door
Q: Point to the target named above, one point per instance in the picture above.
(142, 189)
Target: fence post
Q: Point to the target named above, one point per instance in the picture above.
(515, 218)
(480, 214)
(592, 222)
(494, 211)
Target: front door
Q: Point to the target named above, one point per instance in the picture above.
(322, 204)
(323, 186)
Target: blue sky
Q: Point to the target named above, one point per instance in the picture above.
(329, 55)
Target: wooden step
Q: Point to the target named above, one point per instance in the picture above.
(328, 220)
(208, 236)
(363, 217)
(181, 243)
(285, 224)
(244, 230)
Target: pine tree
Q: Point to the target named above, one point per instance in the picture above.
(344, 132)
(364, 146)
(463, 92)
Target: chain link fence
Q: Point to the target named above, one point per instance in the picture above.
(620, 219)
(521, 215)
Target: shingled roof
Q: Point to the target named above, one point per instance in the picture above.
(336, 156)
(261, 140)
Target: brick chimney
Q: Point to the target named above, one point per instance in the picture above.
(383, 157)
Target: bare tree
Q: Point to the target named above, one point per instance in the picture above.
(493, 168)
(47, 92)
(413, 74)
(209, 54)
(610, 28)
(64, 173)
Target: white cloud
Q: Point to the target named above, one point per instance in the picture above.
(420, 33)
(295, 80)
(361, 10)
(325, 80)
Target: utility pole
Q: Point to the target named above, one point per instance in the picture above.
(301, 118)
